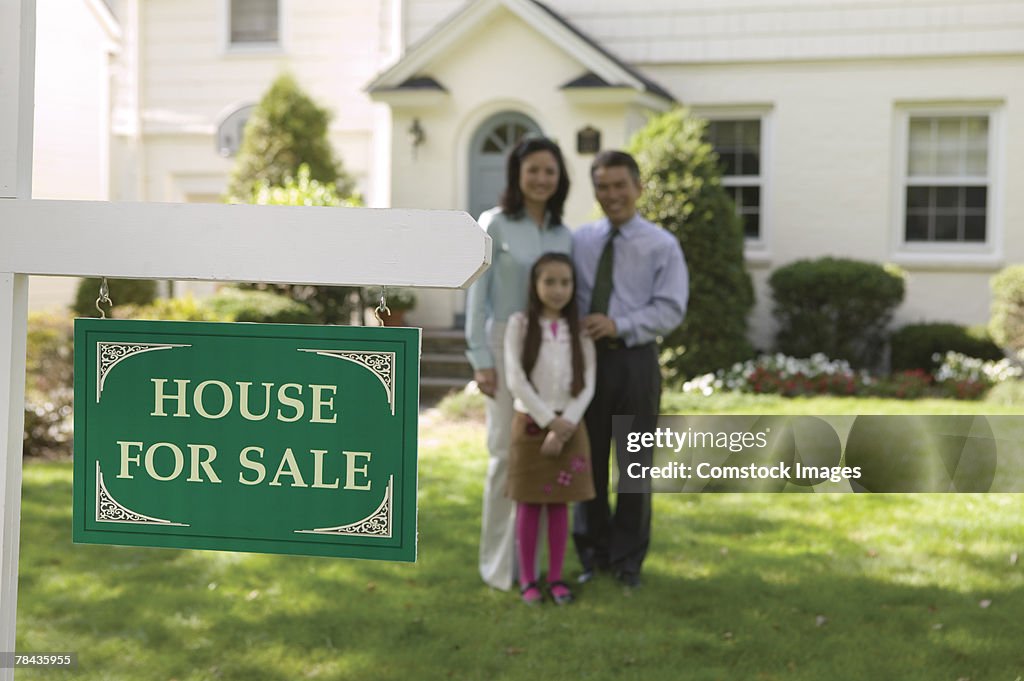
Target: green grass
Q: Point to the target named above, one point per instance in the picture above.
(798, 586)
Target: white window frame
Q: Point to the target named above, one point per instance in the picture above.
(258, 49)
(949, 253)
(755, 250)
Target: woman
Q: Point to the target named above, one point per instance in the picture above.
(527, 224)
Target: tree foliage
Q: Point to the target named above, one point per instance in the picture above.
(286, 130)
(683, 193)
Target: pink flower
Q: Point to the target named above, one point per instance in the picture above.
(578, 464)
(548, 488)
(564, 478)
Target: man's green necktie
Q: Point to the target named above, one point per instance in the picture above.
(603, 279)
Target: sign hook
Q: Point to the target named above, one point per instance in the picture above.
(383, 305)
(104, 298)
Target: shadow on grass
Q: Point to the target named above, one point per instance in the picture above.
(754, 587)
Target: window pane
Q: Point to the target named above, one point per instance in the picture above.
(254, 21)
(976, 197)
(947, 197)
(977, 161)
(917, 197)
(917, 227)
(752, 226)
(728, 164)
(977, 131)
(949, 161)
(945, 228)
(751, 196)
(974, 228)
(921, 161)
(751, 134)
(949, 131)
(751, 163)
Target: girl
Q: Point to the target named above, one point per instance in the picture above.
(527, 224)
(550, 370)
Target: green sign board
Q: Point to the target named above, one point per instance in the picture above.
(270, 438)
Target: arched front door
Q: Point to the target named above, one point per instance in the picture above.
(487, 153)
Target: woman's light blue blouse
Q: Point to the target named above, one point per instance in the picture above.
(516, 244)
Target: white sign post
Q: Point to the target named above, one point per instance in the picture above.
(304, 245)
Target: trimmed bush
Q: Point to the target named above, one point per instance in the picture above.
(49, 395)
(835, 306)
(286, 130)
(1007, 322)
(183, 309)
(914, 346)
(257, 306)
(122, 292)
(683, 193)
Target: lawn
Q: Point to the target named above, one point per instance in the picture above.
(798, 586)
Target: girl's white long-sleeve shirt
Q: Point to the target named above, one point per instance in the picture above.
(551, 389)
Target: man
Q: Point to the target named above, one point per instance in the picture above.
(632, 285)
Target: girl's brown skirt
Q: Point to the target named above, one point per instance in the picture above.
(538, 479)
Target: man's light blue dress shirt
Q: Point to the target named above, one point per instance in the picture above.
(650, 282)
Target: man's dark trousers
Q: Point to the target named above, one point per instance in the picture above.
(628, 383)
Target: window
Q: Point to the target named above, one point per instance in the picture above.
(947, 183)
(738, 144)
(254, 22)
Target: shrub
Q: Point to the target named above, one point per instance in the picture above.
(787, 376)
(835, 306)
(1007, 321)
(257, 306)
(968, 378)
(904, 385)
(683, 193)
(286, 129)
(122, 292)
(49, 392)
(185, 308)
(915, 345)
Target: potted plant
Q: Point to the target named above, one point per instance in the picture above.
(398, 300)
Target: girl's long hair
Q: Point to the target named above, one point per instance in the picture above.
(531, 344)
(512, 201)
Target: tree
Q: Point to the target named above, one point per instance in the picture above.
(286, 160)
(683, 193)
(286, 129)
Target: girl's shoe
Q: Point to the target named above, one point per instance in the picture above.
(560, 593)
(531, 594)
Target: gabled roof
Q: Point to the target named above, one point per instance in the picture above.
(600, 67)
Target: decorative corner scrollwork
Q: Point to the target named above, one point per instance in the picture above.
(377, 524)
(110, 354)
(380, 364)
(110, 510)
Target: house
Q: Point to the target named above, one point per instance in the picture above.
(880, 130)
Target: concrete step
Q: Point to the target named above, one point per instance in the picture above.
(444, 341)
(445, 365)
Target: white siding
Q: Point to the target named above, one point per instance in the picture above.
(191, 79)
(667, 31)
(832, 170)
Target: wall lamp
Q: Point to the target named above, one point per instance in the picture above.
(417, 135)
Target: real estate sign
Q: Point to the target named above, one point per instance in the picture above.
(247, 437)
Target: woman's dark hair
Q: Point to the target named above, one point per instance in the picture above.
(531, 344)
(512, 201)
